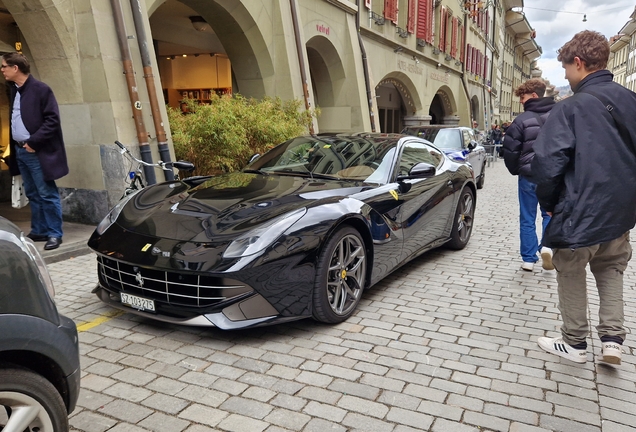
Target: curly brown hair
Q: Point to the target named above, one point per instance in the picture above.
(591, 47)
(534, 85)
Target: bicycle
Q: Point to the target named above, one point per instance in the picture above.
(134, 179)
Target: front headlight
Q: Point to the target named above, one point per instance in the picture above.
(112, 215)
(259, 238)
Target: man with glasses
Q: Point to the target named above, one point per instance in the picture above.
(37, 147)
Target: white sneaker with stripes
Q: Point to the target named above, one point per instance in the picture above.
(611, 352)
(558, 347)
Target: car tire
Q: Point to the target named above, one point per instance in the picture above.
(463, 221)
(482, 177)
(24, 390)
(340, 276)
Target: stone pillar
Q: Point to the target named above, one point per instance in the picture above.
(417, 120)
(451, 120)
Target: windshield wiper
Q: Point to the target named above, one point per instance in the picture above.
(310, 174)
(255, 171)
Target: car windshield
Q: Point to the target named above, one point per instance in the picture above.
(442, 138)
(340, 157)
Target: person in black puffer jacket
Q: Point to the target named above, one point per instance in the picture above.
(518, 154)
(585, 169)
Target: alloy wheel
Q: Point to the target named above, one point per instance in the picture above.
(346, 274)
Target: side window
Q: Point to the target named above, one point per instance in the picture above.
(467, 138)
(416, 152)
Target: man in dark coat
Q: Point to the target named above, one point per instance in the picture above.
(585, 169)
(518, 153)
(37, 148)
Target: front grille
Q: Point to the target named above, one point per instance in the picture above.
(186, 289)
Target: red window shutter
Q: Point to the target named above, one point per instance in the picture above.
(480, 60)
(410, 23)
(390, 10)
(367, 3)
(453, 51)
(475, 54)
(425, 20)
(469, 58)
(461, 44)
(442, 29)
(431, 21)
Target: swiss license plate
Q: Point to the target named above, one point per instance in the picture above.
(139, 303)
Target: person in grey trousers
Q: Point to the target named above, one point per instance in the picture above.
(585, 170)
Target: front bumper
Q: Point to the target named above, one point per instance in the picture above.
(229, 318)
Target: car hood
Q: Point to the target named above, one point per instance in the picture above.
(226, 206)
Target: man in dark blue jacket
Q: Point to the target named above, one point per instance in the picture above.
(585, 169)
(37, 148)
(518, 153)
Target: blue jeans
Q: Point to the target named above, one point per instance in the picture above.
(528, 202)
(44, 197)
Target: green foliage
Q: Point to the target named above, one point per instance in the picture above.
(221, 136)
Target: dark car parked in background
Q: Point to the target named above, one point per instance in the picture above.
(460, 143)
(39, 354)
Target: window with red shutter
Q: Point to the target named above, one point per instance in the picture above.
(442, 29)
(391, 10)
(367, 3)
(461, 43)
(469, 58)
(425, 19)
(453, 51)
(410, 23)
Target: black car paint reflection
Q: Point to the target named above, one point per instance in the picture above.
(178, 228)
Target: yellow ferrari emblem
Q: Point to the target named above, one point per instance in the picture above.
(343, 274)
(145, 248)
(394, 194)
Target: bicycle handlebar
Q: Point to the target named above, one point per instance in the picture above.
(166, 166)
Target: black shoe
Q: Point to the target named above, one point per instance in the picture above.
(37, 237)
(53, 243)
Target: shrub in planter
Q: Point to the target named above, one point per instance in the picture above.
(221, 136)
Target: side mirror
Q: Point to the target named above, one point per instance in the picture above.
(419, 171)
(472, 145)
(254, 157)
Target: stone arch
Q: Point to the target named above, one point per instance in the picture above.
(475, 111)
(397, 100)
(327, 71)
(407, 89)
(443, 109)
(328, 80)
(49, 36)
(244, 43)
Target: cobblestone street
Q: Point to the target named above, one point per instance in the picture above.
(446, 343)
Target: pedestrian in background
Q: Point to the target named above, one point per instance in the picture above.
(518, 153)
(37, 147)
(585, 169)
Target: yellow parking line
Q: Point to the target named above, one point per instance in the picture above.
(105, 317)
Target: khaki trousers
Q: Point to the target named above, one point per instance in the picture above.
(607, 262)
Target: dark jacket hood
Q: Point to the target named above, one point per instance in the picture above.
(522, 133)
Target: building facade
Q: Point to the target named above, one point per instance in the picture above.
(622, 61)
(370, 65)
